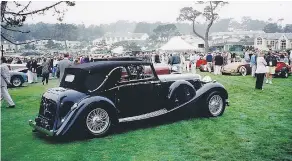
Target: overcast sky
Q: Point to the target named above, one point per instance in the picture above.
(90, 12)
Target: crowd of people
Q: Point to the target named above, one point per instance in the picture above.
(262, 64)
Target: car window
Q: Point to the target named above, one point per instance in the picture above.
(93, 81)
(140, 72)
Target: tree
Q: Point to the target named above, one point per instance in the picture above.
(12, 20)
(165, 32)
(209, 13)
(272, 28)
(288, 28)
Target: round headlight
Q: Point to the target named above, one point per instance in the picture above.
(207, 79)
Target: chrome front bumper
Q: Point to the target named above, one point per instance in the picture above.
(40, 129)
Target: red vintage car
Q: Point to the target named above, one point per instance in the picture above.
(283, 70)
(199, 63)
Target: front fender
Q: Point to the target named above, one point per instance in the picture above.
(202, 92)
(75, 113)
(210, 87)
(176, 85)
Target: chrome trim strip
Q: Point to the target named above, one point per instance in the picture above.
(40, 129)
(106, 78)
(144, 116)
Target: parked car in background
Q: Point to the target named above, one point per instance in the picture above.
(282, 70)
(93, 97)
(17, 78)
(237, 68)
(23, 68)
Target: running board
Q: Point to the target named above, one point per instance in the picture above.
(144, 116)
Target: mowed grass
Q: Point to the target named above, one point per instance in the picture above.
(257, 126)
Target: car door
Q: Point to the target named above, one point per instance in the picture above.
(138, 96)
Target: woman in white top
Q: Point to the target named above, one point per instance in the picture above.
(260, 71)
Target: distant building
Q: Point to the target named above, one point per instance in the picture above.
(234, 34)
(274, 41)
(8, 47)
(111, 38)
(73, 44)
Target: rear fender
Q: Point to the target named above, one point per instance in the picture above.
(76, 113)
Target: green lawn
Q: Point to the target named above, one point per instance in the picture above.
(257, 126)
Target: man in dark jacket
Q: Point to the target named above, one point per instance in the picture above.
(209, 59)
(218, 64)
(175, 62)
(271, 67)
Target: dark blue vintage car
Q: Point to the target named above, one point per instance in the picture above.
(93, 97)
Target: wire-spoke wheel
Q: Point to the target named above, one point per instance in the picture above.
(98, 121)
(215, 104)
(243, 70)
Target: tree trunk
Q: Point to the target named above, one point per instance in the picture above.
(206, 45)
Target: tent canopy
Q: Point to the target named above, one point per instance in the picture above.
(177, 44)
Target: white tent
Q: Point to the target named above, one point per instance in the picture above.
(177, 44)
(118, 50)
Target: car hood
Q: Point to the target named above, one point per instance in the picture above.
(16, 73)
(61, 95)
(174, 77)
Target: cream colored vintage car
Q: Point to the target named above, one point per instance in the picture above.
(241, 68)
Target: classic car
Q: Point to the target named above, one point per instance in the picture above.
(17, 78)
(241, 68)
(93, 97)
(283, 70)
(24, 69)
(203, 68)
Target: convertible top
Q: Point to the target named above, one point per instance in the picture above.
(106, 65)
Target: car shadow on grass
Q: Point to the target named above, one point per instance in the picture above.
(121, 128)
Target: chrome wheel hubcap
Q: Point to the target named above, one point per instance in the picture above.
(97, 121)
(215, 105)
(16, 82)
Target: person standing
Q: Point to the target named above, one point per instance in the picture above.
(233, 55)
(175, 62)
(218, 64)
(34, 70)
(209, 59)
(193, 60)
(182, 63)
(156, 59)
(62, 65)
(187, 62)
(46, 70)
(29, 71)
(253, 64)
(246, 56)
(290, 57)
(5, 80)
(272, 63)
(260, 71)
